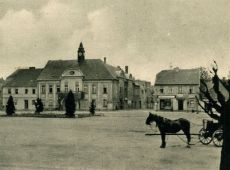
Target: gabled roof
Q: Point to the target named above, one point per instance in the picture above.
(178, 77)
(23, 78)
(113, 70)
(92, 69)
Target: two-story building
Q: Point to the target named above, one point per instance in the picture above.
(22, 86)
(176, 89)
(89, 79)
(144, 91)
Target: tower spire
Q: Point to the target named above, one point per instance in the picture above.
(81, 53)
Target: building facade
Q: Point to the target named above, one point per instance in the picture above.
(176, 89)
(91, 80)
(22, 86)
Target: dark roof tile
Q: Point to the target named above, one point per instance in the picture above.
(92, 69)
(23, 78)
(178, 77)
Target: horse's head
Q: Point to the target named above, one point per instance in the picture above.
(151, 118)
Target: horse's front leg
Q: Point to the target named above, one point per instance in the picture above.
(163, 143)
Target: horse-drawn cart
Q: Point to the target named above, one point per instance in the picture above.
(211, 132)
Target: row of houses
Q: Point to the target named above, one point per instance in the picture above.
(110, 87)
(91, 80)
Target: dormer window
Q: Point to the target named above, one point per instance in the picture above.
(71, 72)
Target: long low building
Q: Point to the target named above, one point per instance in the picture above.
(22, 85)
(91, 80)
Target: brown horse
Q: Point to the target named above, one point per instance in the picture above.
(170, 126)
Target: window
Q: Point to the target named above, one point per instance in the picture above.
(34, 91)
(190, 90)
(9, 91)
(16, 91)
(86, 88)
(165, 104)
(50, 103)
(94, 89)
(66, 87)
(43, 89)
(58, 88)
(15, 102)
(170, 90)
(33, 102)
(191, 103)
(180, 89)
(104, 90)
(50, 89)
(105, 103)
(26, 91)
(161, 90)
(77, 86)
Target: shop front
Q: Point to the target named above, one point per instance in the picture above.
(166, 102)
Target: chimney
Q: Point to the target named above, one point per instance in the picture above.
(170, 66)
(177, 69)
(131, 76)
(126, 69)
(104, 60)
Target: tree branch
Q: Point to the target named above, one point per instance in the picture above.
(216, 84)
(208, 110)
(211, 100)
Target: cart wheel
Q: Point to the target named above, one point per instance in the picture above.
(218, 138)
(204, 137)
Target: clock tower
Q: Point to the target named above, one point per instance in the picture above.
(81, 53)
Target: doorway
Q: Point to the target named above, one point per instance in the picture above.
(180, 104)
(26, 104)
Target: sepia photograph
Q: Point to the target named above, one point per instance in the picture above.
(114, 85)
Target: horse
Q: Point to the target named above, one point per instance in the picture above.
(170, 126)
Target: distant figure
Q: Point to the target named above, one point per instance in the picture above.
(92, 108)
(38, 106)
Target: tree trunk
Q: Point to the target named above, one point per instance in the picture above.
(225, 152)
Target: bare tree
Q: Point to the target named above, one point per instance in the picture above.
(218, 108)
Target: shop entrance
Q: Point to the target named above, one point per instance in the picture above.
(180, 105)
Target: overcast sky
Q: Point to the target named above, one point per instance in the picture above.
(146, 35)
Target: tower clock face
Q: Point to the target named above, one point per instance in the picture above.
(80, 54)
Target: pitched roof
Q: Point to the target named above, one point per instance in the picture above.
(178, 77)
(92, 69)
(113, 70)
(23, 78)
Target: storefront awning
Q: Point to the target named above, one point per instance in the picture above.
(166, 97)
